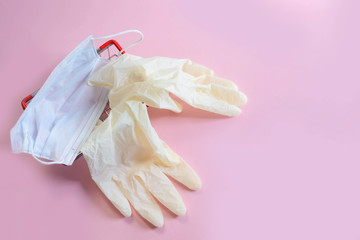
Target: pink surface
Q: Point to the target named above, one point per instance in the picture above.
(287, 168)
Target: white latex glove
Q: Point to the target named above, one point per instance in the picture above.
(152, 79)
(127, 160)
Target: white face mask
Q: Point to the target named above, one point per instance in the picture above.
(65, 110)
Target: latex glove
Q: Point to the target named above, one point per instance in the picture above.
(152, 79)
(127, 160)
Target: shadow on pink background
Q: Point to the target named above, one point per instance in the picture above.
(287, 168)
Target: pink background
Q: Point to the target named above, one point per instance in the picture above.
(287, 168)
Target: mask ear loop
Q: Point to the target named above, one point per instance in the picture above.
(121, 33)
(32, 152)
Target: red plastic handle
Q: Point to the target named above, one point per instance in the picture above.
(25, 101)
(117, 45)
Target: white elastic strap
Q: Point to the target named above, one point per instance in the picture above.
(121, 33)
(32, 152)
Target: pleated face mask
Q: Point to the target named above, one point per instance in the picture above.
(61, 116)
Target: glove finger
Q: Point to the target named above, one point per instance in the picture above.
(164, 66)
(223, 91)
(196, 69)
(183, 173)
(141, 117)
(209, 103)
(212, 98)
(114, 194)
(146, 92)
(226, 94)
(216, 80)
(163, 190)
(142, 201)
(161, 99)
